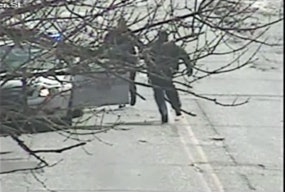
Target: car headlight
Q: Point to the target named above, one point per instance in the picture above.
(44, 92)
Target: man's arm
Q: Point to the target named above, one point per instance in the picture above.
(136, 40)
(109, 37)
(183, 55)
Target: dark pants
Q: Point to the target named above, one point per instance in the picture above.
(132, 87)
(130, 64)
(164, 87)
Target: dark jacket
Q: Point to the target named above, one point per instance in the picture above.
(122, 45)
(165, 58)
(121, 41)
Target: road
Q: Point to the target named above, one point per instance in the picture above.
(223, 149)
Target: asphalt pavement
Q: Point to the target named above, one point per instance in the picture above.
(222, 149)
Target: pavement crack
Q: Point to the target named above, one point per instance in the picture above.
(248, 183)
(225, 147)
(240, 165)
(196, 168)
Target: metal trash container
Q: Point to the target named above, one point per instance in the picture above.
(99, 89)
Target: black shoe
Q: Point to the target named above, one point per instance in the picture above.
(178, 113)
(164, 118)
(122, 106)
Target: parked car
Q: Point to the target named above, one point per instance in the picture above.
(59, 97)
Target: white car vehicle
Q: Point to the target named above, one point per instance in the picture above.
(60, 96)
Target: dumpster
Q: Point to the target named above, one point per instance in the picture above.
(99, 88)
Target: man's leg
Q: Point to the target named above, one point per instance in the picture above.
(133, 88)
(160, 101)
(173, 96)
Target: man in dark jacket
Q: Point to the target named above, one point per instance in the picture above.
(162, 61)
(122, 43)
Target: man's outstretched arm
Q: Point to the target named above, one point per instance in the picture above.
(183, 55)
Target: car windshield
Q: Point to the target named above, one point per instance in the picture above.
(13, 58)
